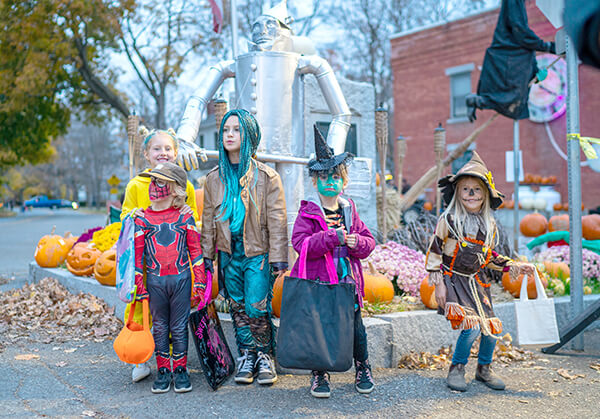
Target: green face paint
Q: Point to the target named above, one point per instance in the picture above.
(332, 186)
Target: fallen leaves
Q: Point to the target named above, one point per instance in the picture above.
(567, 375)
(26, 357)
(50, 309)
(595, 366)
(426, 360)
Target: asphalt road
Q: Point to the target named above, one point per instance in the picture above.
(85, 379)
(21, 233)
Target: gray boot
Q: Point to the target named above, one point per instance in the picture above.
(485, 374)
(456, 377)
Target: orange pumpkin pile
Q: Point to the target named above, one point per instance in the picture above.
(52, 249)
(533, 225)
(82, 258)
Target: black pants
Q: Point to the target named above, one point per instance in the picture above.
(170, 308)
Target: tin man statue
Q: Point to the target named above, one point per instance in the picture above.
(269, 84)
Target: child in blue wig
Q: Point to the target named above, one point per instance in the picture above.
(245, 219)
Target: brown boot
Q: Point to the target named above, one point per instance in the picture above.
(485, 374)
(456, 377)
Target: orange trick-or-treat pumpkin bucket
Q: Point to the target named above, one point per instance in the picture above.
(135, 344)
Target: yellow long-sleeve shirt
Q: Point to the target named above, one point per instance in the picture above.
(137, 196)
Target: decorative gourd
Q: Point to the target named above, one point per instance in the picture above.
(513, 286)
(51, 250)
(590, 225)
(428, 294)
(278, 293)
(559, 223)
(533, 225)
(81, 259)
(378, 288)
(105, 268)
(200, 201)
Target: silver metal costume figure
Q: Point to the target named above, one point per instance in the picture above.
(269, 84)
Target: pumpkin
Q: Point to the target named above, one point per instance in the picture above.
(428, 294)
(200, 201)
(510, 204)
(105, 268)
(537, 179)
(81, 259)
(378, 288)
(70, 239)
(427, 206)
(557, 206)
(552, 179)
(513, 286)
(590, 225)
(565, 206)
(533, 225)
(557, 269)
(559, 223)
(278, 293)
(214, 290)
(528, 178)
(51, 250)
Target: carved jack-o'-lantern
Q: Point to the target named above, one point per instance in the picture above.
(105, 268)
(81, 259)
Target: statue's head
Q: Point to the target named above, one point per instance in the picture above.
(270, 31)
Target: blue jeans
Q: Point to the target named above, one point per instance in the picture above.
(463, 347)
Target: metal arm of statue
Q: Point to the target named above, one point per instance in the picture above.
(340, 123)
(192, 116)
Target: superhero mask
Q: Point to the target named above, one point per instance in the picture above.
(330, 184)
(159, 189)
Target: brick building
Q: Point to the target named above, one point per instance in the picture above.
(434, 67)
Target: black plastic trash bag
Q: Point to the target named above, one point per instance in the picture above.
(211, 345)
(316, 329)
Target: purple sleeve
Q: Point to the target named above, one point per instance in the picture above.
(320, 241)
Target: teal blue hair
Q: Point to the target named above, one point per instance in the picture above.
(232, 208)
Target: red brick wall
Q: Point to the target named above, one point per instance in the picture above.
(422, 100)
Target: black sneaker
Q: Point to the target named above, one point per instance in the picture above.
(162, 384)
(266, 369)
(319, 386)
(364, 380)
(245, 374)
(181, 380)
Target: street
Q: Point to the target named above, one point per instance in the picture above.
(82, 378)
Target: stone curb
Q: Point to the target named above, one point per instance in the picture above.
(389, 335)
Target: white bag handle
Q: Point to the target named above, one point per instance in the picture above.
(541, 292)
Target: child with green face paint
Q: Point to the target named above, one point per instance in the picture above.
(334, 233)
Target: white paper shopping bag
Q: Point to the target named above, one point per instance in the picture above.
(536, 319)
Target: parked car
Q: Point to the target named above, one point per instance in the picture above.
(42, 201)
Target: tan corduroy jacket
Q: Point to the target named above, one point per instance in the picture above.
(265, 225)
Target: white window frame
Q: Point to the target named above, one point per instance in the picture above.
(451, 72)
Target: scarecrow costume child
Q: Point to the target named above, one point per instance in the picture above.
(463, 244)
(166, 244)
(332, 227)
(245, 218)
(159, 146)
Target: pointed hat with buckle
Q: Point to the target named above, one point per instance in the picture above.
(325, 160)
(476, 168)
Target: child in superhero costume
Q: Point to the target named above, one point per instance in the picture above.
(463, 244)
(159, 146)
(332, 226)
(244, 218)
(166, 243)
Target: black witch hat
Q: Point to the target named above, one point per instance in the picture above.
(325, 160)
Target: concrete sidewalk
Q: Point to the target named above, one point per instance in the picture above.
(389, 335)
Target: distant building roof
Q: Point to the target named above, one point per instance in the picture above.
(440, 23)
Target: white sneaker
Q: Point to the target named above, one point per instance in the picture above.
(139, 372)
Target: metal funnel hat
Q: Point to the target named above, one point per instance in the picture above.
(280, 12)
